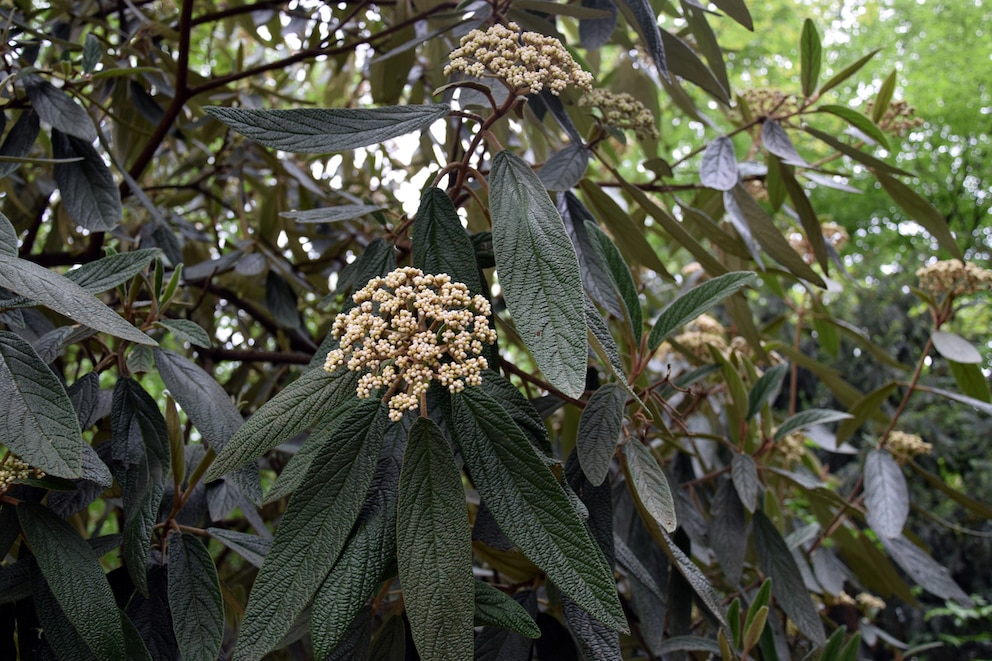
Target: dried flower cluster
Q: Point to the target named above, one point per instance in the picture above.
(868, 601)
(13, 470)
(527, 62)
(907, 445)
(408, 329)
(898, 119)
(767, 102)
(952, 277)
(792, 447)
(622, 111)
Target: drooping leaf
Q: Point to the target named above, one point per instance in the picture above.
(250, 547)
(695, 302)
(8, 237)
(886, 494)
(954, 347)
(57, 108)
(737, 10)
(565, 169)
(605, 347)
(599, 430)
(596, 641)
(788, 587)
(195, 599)
(728, 533)
(331, 214)
(810, 57)
(434, 546)
(978, 507)
(808, 418)
(356, 639)
(971, 380)
(858, 121)
(596, 275)
(186, 330)
(619, 273)
(777, 141)
(931, 575)
(313, 530)
(530, 505)
(37, 420)
(280, 299)
(20, 139)
(495, 608)
(322, 130)
(65, 297)
(695, 14)
(695, 578)
(88, 190)
(441, 244)
(520, 409)
(718, 169)
(538, 272)
(112, 270)
(745, 476)
(75, 576)
(59, 635)
(765, 388)
(867, 160)
(804, 209)
(921, 211)
(646, 24)
(649, 484)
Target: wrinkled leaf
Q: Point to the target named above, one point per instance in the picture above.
(250, 547)
(596, 276)
(19, 141)
(718, 169)
(195, 599)
(495, 608)
(441, 244)
(886, 494)
(695, 302)
(745, 476)
(647, 25)
(931, 575)
(649, 484)
(600, 427)
(565, 169)
(808, 418)
(620, 276)
(56, 107)
(595, 32)
(186, 330)
(88, 190)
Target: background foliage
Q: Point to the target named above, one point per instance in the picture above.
(728, 454)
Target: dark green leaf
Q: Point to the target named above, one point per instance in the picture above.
(861, 157)
(56, 107)
(595, 32)
(976, 506)
(696, 579)
(195, 599)
(728, 533)
(619, 273)
(521, 410)
(331, 214)
(8, 237)
(804, 209)
(92, 52)
(250, 547)
(280, 299)
(296, 407)
(858, 121)
(186, 330)
(495, 608)
(982, 406)
(434, 546)
(565, 169)
(685, 63)
(777, 141)
(706, 44)
(19, 141)
(766, 388)
(646, 24)
(971, 380)
(356, 639)
(390, 642)
(718, 169)
(112, 270)
(808, 418)
(59, 633)
(37, 420)
(921, 211)
(15, 578)
(884, 97)
(788, 587)
(530, 505)
(695, 302)
(539, 273)
(596, 276)
(75, 576)
(737, 10)
(600, 427)
(745, 477)
(847, 72)
(322, 130)
(688, 644)
(931, 575)
(88, 190)
(596, 640)
(605, 347)
(649, 484)
(313, 530)
(441, 244)
(886, 494)
(810, 58)
(65, 297)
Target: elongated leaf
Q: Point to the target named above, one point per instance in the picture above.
(808, 418)
(954, 347)
(728, 533)
(706, 44)
(495, 608)
(978, 507)
(884, 97)
(65, 297)
(737, 10)
(971, 380)
(331, 214)
(594, 32)
(847, 72)
(867, 160)
(984, 407)
(807, 215)
(600, 427)
(596, 275)
(777, 141)
(605, 347)
(931, 575)
(788, 587)
(858, 121)
(565, 169)
(695, 302)
(441, 244)
(646, 24)
(765, 388)
(250, 547)
(74, 575)
(8, 237)
(745, 477)
(195, 599)
(56, 107)
(620, 275)
(921, 211)
(538, 272)
(649, 484)
(186, 330)
(530, 505)
(520, 409)
(886, 494)
(19, 141)
(88, 190)
(596, 640)
(112, 270)
(322, 130)
(696, 579)
(37, 420)
(810, 58)
(313, 531)
(718, 169)
(434, 547)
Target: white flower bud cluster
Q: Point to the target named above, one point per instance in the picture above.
(13, 470)
(954, 278)
(408, 329)
(907, 445)
(527, 62)
(792, 447)
(869, 602)
(623, 111)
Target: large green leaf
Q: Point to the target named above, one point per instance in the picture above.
(765, 388)
(321, 130)
(538, 273)
(75, 576)
(87, 186)
(495, 608)
(530, 505)
(291, 411)
(112, 270)
(695, 302)
(971, 380)
(599, 430)
(434, 546)
(920, 210)
(65, 297)
(886, 494)
(250, 547)
(313, 530)
(194, 599)
(441, 244)
(649, 484)
(37, 420)
(56, 107)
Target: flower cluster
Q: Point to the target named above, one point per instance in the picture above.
(869, 602)
(898, 119)
(907, 445)
(792, 447)
(623, 111)
(13, 470)
(526, 62)
(408, 329)
(954, 278)
(766, 102)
